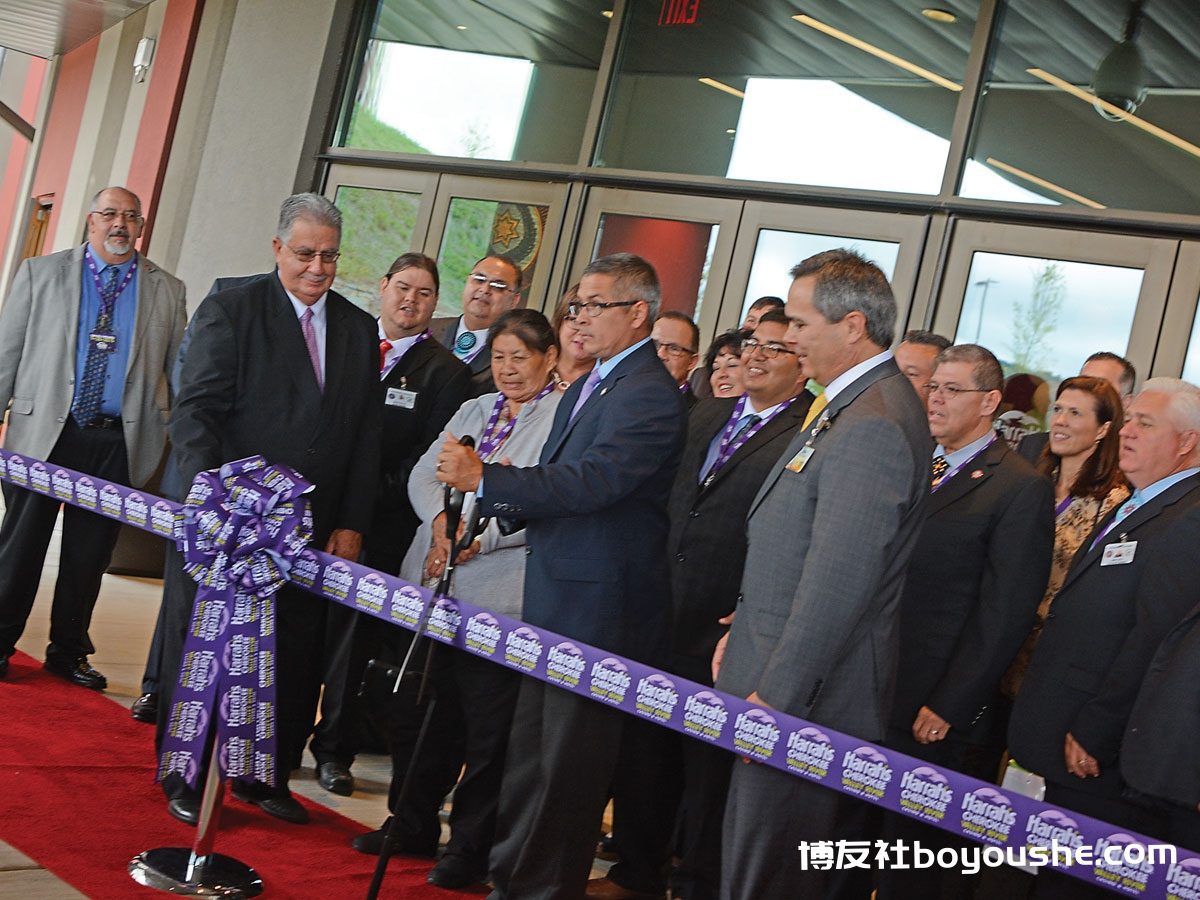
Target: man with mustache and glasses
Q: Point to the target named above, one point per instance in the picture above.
(87, 338)
(493, 287)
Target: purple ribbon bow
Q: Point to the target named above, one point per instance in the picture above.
(241, 528)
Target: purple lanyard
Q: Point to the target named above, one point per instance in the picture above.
(966, 462)
(1062, 505)
(729, 445)
(494, 435)
(107, 303)
(420, 337)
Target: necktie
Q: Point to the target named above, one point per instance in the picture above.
(815, 410)
(384, 346)
(588, 386)
(86, 405)
(745, 423)
(1124, 512)
(939, 470)
(310, 340)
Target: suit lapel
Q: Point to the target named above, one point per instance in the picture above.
(845, 397)
(965, 479)
(145, 298)
(1088, 554)
(69, 284)
(336, 351)
(629, 364)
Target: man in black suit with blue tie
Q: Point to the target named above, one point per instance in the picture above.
(595, 508)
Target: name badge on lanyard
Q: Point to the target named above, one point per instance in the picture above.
(401, 398)
(1119, 554)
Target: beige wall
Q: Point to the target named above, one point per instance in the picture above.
(238, 144)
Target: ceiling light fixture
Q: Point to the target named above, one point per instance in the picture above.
(608, 13)
(944, 16)
(892, 58)
(1115, 111)
(461, 27)
(722, 86)
(1042, 182)
(731, 131)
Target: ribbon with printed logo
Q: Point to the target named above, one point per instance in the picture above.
(240, 530)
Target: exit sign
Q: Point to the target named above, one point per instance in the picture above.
(678, 12)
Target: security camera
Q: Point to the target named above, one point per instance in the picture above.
(1120, 79)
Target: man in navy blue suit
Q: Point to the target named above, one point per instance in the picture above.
(595, 508)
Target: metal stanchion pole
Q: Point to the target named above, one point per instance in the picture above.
(199, 872)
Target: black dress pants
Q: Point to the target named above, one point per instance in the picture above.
(562, 753)
(87, 545)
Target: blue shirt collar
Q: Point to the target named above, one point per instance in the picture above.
(101, 265)
(1144, 495)
(962, 454)
(605, 368)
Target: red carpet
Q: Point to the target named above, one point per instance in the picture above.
(77, 795)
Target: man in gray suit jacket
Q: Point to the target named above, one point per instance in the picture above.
(830, 534)
(493, 287)
(87, 338)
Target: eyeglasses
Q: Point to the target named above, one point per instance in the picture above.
(595, 307)
(107, 215)
(307, 254)
(673, 349)
(477, 280)
(770, 351)
(952, 390)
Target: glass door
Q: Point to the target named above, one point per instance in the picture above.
(385, 212)
(1043, 300)
(688, 240)
(477, 217)
(774, 237)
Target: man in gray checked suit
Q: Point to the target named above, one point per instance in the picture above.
(830, 534)
(87, 339)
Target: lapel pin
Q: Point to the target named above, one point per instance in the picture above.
(978, 473)
(603, 391)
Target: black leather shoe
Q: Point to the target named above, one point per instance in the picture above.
(185, 809)
(76, 671)
(145, 709)
(287, 808)
(284, 807)
(335, 778)
(371, 843)
(455, 872)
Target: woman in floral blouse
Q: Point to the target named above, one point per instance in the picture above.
(1081, 459)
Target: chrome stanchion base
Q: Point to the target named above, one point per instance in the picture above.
(171, 869)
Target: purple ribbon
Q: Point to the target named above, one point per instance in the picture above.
(977, 810)
(241, 529)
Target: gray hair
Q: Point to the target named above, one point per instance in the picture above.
(633, 279)
(985, 368)
(312, 207)
(137, 201)
(848, 282)
(1183, 403)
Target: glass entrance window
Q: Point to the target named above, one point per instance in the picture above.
(1191, 366)
(458, 78)
(1091, 104)
(377, 226)
(681, 252)
(778, 251)
(852, 95)
(479, 228)
(1042, 318)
